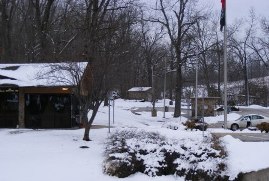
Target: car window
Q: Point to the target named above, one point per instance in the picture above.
(246, 118)
(257, 117)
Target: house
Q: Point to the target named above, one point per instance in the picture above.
(140, 93)
(39, 95)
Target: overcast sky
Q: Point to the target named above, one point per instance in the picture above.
(240, 8)
(236, 9)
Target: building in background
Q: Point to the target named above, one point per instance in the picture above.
(140, 93)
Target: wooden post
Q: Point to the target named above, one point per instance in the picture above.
(21, 108)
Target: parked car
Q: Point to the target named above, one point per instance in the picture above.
(229, 108)
(250, 120)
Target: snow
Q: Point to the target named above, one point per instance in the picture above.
(43, 155)
(254, 107)
(39, 74)
(139, 89)
(245, 156)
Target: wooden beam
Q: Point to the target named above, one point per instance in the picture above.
(21, 109)
(47, 90)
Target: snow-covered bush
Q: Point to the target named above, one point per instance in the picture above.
(130, 151)
(190, 124)
(174, 125)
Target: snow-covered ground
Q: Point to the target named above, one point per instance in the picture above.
(44, 155)
(254, 107)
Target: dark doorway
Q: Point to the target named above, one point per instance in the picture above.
(48, 111)
(8, 108)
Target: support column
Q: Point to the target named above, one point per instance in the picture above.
(21, 108)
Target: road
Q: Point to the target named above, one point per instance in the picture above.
(247, 137)
(185, 112)
(244, 111)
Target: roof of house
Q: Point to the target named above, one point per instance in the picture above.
(139, 89)
(41, 74)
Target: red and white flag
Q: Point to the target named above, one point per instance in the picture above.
(222, 17)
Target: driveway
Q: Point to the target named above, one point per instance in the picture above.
(185, 112)
(246, 137)
(244, 111)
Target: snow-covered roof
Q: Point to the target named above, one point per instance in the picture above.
(41, 74)
(139, 89)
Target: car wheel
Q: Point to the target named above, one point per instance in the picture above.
(234, 127)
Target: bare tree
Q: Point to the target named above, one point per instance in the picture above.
(102, 25)
(242, 50)
(260, 45)
(218, 51)
(206, 42)
(178, 16)
(42, 22)
(7, 9)
(150, 41)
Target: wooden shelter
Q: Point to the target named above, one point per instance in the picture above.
(140, 93)
(38, 95)
(205, 105)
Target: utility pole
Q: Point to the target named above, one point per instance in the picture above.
(113, 109)
(196, 87)
(247, 85)
(225, 67)
(153, 112)
(108, 115)
(164, 88)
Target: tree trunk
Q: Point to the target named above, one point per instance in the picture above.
(171, 82)
(88, 124)
(6, 30)
(171, 88)
(206, 75)
(42, 22)
(177, 111)
(219, 77)
(149, 71)
(106, 102)
(83, 115)
(246, 84)
(86, 136)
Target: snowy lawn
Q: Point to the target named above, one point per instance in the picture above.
(254, 107)
(44, 155)
(245, 156)
(54, 155)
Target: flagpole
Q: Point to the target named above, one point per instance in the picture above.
(225, 67)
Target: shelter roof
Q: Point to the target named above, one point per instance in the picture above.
(139, 89)
(41, 74)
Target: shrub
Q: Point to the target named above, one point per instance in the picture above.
(263, 127)
(190, 124)
(131, 151)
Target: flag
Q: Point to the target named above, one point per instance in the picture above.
(222, 16)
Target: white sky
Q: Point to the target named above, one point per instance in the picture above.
(237, 9)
